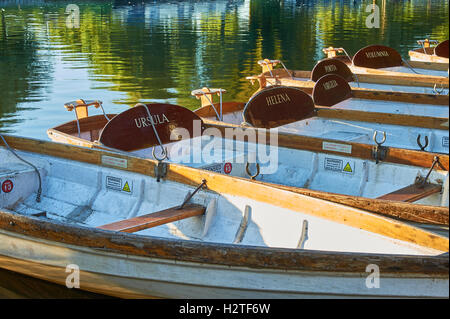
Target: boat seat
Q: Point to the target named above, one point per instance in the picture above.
(155, 219)
(412, 193)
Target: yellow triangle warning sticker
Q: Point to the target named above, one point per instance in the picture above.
(126, 188)
(348, 168)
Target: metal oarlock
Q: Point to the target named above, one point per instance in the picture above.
(247, 169)
(188, 198)
(422, 181)
(379, 152)
(422, 147)
(438, 91)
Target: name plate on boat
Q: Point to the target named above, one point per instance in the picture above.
(114, 161)
(134, 129)
(442, 49)
(377, 57)
(331, 66)
(278, 105)
(336, 147)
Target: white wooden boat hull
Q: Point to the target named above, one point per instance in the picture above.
(129, 276)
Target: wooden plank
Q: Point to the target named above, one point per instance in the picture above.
(407, 97)
(412, 193)
(430, 65)
(425, 214)
(430, 57)
(367, 75)
(155, 219)
(384, 118)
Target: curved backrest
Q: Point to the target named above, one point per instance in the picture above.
(377, 57)
(132, 129)
(331, 89)
(278, 105)
(331, 66)
(442, 49)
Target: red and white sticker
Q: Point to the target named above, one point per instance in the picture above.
(227, 168)
(7, 186)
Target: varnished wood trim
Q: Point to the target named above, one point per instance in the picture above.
(416, 98)
(426, 214)
(398, 78)
(384, 118)
(430, 65)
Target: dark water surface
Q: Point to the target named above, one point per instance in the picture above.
(125, 52)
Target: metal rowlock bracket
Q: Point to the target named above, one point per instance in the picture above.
(422, 181)
(379, 152)
(247, 169)
(438, 91)
(189, 196)
(160, 170)
(422, 147)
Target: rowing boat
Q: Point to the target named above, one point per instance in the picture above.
(336, 111)
(407, 184)
(376, 82)
(102, 222)
(427, 53)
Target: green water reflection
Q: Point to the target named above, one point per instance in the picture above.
(126, 52)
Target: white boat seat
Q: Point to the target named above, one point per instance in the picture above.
(155, 219)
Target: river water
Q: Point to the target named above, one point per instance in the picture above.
(125, 52)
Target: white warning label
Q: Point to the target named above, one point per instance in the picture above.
(338, 165)
(333, 164)
(445, 141)
(118, 184)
